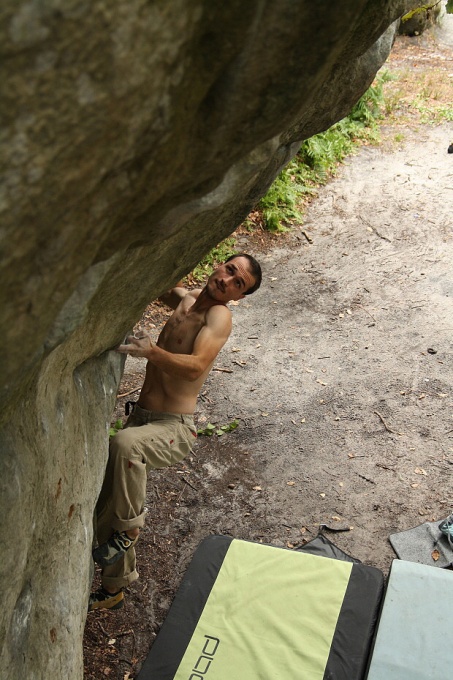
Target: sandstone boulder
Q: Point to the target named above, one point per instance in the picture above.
(135, 136)
(420, 19)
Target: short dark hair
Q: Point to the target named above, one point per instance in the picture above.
(255, 270)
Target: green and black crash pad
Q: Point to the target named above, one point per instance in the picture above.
(247, 611)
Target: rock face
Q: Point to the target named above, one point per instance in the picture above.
(421, 18)
(135, 136)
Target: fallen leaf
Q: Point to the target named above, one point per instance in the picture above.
(290, 545)
(435, 555)
(420, 471)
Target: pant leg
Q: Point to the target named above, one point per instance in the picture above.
(122, 573)
(133, 452)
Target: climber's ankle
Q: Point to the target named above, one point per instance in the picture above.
(132, 533)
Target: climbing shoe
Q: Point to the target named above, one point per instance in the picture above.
(114, 549)
(102, 599)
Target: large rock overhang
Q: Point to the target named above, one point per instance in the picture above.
(134, 138)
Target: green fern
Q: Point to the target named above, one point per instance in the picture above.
(218, 254)
(319, 156)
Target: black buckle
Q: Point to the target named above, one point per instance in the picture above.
(129, 407)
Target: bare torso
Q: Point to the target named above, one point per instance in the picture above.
(161, 391)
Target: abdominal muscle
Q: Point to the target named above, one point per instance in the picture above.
(166, 394)
(161, 391)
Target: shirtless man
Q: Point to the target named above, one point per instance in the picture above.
(161, 429)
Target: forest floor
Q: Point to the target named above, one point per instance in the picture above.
(338, 372)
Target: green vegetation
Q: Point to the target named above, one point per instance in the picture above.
(319, 157)
(418, 10)
(398, 98)
(218, 254)
(211, 429)
(421, 97)
(115, 427)
(430, 113)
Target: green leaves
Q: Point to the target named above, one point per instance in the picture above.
(319, 157)
(116, 426)
(216, 256)
(211, 429)
(208, 431)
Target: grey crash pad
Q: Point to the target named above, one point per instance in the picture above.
(413, 640)
(419, 543)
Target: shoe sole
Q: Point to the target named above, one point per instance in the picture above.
(114, 602)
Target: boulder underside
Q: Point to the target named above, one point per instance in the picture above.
(135, 138)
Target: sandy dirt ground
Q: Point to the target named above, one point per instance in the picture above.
(339, 374)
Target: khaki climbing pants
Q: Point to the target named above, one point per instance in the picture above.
(148, 441)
